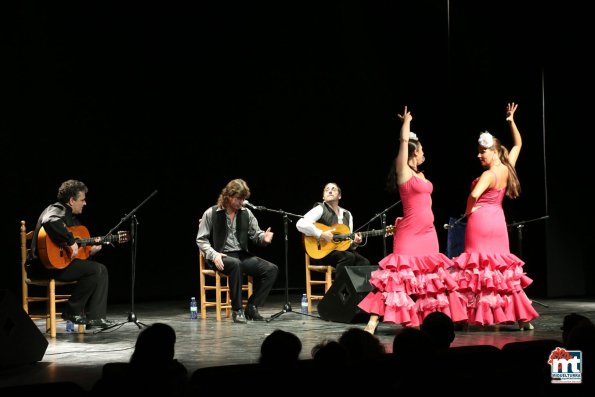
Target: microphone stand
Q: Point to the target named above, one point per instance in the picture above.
(376, 216)
(133, 237)
(286, 220)
(455, 223)
(382, 222)
(383, 225)
(519, 227)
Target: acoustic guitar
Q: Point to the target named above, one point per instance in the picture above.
(54, 256)
(342, 238)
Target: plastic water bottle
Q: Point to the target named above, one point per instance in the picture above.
(69, 326)
(304, 304)
(193, 309)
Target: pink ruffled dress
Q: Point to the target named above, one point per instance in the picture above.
(490, 278)
(414, 280)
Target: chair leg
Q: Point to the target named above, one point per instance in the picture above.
(25, 292)
(227, 299)
(218, 296)
(52, 307)
(250, 286)
(48, 321)
(203, 297)
(308, 285)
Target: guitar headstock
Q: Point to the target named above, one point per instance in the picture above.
(123, 236)
(390, 230)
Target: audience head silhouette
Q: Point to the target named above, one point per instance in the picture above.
(279, 348)
(582, 337)
(411, 343)
(570, 321)
(154, 345)
(361, 345)
(330, 352)
(440, 329)
(152, 367)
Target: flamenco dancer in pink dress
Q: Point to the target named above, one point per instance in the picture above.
(413, 281)
(491, 278)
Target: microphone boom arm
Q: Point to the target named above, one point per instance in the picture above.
(377, 215)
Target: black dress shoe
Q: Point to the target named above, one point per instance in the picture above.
(238, 316)
(253, 314)
(75, 318)
(100, 323)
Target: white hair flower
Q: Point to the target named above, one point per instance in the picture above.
(413, 136)
(486, 140)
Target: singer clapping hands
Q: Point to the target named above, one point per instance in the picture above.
(223, 236)
(268, 236)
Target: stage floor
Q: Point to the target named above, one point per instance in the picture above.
(203, 343)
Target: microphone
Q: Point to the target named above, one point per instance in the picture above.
(455, 223)
(251, 206)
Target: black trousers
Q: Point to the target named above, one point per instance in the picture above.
(264, 274)
(89, 294)
(340, 259)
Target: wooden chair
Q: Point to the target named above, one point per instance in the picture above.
(49, 284)
(327, 270)
(222, 299)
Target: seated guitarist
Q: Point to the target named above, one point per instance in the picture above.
(329, 213)
(88, 301)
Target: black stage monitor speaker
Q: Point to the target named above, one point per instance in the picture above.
(349, 288)
(21, 342)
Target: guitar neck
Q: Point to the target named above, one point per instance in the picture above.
(371, 233)
(91, 241)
